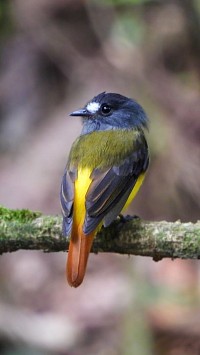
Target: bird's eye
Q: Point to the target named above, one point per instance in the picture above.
(105, 109)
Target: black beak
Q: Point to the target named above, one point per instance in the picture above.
(82, 113)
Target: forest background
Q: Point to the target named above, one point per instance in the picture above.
(54, 57)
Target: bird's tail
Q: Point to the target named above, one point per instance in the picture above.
(79, 249)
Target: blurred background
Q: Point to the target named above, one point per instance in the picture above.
(54, 57)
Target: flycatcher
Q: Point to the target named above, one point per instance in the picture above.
(105, 169)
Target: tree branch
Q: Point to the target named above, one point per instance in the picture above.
(22, 229)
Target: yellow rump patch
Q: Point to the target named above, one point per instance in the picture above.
(134, 191)
(81, 187)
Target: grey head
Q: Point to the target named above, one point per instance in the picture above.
(108, 111)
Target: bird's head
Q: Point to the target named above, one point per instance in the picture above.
(108, 111)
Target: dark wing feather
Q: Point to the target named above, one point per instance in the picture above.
(110, 189)
(67, 198)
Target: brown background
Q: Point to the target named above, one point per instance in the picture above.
(55, 56)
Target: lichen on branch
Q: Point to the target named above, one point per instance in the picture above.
(24, 229)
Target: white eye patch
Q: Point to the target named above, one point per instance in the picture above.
(93, 107)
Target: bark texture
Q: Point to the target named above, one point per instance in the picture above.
(23, 229)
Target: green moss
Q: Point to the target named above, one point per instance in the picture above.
(21, 216)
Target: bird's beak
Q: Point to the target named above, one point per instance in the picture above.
(83, 112)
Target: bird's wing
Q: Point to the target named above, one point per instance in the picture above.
(67, 198)
(109, 189)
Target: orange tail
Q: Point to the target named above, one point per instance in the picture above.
(79, 249)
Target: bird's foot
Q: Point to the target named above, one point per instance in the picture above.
(124, 219)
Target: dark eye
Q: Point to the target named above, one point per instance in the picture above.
(105, 109)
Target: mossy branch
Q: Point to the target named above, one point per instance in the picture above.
(23, 229)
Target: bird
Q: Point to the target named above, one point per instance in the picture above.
(106, 166)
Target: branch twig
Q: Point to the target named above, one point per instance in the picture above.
(26, 230)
